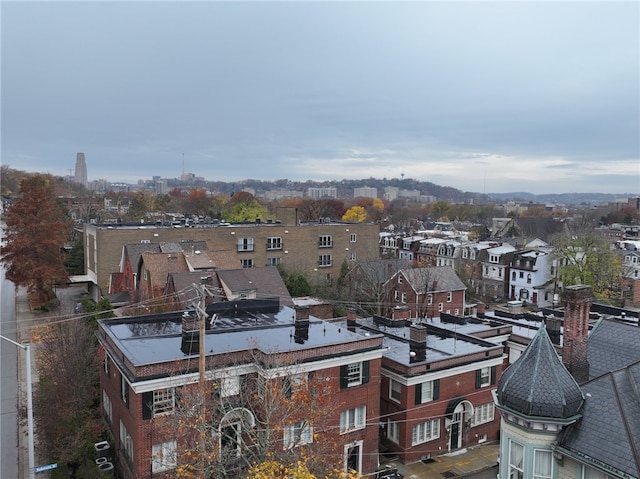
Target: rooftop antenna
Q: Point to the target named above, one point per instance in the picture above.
(183, 164)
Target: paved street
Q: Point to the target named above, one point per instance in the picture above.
(9, 354)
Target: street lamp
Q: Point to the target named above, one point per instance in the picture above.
(29, 405)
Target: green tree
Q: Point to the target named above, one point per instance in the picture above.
(37, 228)
(586, 257)
(296, 283)
(139, 207)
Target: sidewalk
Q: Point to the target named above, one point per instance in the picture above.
(458, 464)
(25, 321)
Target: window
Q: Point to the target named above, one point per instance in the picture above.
(124, 390)
(274, 243)
(324, 260)
(245, 244)
(352, 238)
(325, 241)
(273, 261)
(163, 456)
(513, 276)
(399, 279)
(499, 272)
(542, 464)
(429, 298)
(516, 459)
(483, 414)
(449, 296)
(465, 253)
(353, 419)
(297, 434)
(440, 307)
(354, 374)
(427, 391)
(425, 431)
(395, 390)
(521, 275)
(246, 263)
(486, 271)
(393, 431)
(494, 258)
(107, 365)
(589, 473)
(126, 443)
(404, 297)
(229, 386)
(485, 377)
(163, 401)
(106, 406)
(529, 278)
(396, 295)
(352, 256)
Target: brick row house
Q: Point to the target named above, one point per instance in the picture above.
(437, 379)
(249, 345)
(425, 292)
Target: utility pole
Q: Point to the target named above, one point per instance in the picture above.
(29, 406)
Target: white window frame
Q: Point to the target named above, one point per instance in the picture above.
(483, 414)
(164, 401)
(515, 460)
(403, 297)
(274, 243)
(274, 261)
(425, 432)
(229, 386)
(107, 406)
(353, 238)
(429, 298)
(426, 393)
(163, 456)
(395, 390)
(126, 442)
(325, 261)
(354, 374)
(353, 419)
(325, 241)
(485, 377)
(440, 307)
(449, 296)
(245, 244)
(352, 256)
(542, 464)
(246, 263)
(297, 434)
(393, 431)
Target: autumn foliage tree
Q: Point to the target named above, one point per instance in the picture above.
(37, 228)
(66, 399)
(275, 413)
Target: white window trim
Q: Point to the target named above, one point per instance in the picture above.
(392, 383)
(354, 374)
(419, 436)
(163, 456)
(297, 434)
(353, 419)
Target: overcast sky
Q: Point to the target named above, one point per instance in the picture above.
(482, 96)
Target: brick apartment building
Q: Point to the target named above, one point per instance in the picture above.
(437, 379)
(316, 249)
(149, 362)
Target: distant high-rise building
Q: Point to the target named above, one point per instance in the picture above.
(365, 192)
(81, 170)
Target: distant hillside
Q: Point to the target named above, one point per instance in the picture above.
(560, 198)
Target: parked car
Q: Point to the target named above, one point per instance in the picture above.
(388, 472)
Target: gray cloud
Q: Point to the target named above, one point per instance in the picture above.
(271, 90)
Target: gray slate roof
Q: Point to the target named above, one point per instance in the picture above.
(437, 278)
(538, 384)
(609, 431)
(612, 345)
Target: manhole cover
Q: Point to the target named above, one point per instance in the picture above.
(448, 474)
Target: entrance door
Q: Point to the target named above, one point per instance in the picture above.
(456, 430)
(353, 456)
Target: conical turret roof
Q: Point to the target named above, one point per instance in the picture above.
(538, 385)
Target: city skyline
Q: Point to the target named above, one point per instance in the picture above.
(488, 97)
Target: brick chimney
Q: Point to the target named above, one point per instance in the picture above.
(577, 302)
(301, 333)
(417, 343)
(400, 313)
(553, 325)
(352, 320)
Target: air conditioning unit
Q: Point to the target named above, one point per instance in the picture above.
(102, 449)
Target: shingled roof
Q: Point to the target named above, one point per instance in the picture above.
(433, 279)
(609, 431)
(538, 385)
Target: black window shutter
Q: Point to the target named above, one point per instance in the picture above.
(478, 379)
(343, 376)
(147, 405)
(365, 372)
(436, 389)
(418, 393)
(493, 375)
